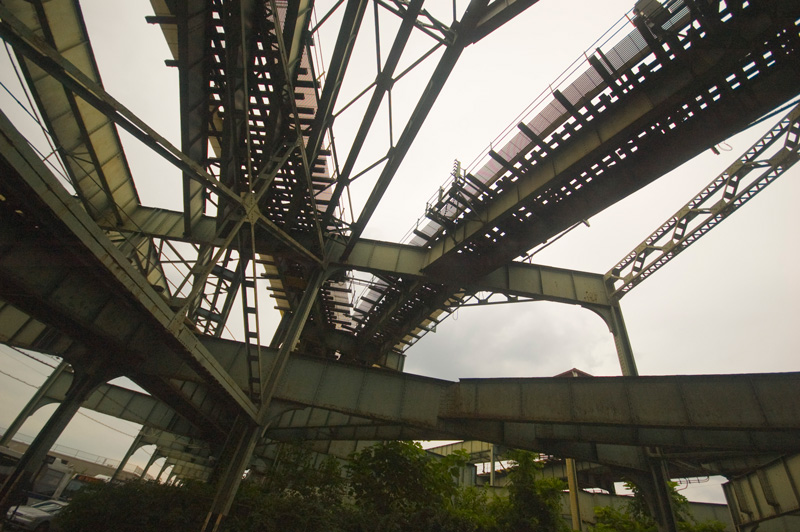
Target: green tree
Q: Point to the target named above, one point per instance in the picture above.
(534, 504)
(635, 516)
(296, 495)
(396, 485)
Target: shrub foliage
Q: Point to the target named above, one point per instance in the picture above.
(392, 486)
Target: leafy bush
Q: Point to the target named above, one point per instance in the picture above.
(137, 506)
(635, 515)
(392, 486)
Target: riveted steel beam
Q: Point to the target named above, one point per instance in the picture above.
(629, 142)
(496, 14)
(126, 404)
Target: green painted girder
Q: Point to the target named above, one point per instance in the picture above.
(756, 412)
(429, 294)
(88, 141)
(102, 300)
(687, 416)
(126, 404)
(172, 441)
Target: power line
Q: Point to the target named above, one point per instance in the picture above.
(18, 379)
(23, 353)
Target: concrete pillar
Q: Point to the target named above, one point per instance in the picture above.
(32, 405)
(21, 480)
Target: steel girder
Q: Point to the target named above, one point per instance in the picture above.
(614, 410)
(101, 299)
(689, 417)
(85, 138)
(206, 378)
(659, 112)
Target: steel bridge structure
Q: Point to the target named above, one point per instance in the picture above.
(118, 288)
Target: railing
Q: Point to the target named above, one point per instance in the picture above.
(78, 454)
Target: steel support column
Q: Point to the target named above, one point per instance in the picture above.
(236, 457)
(574, 506)
(153, 458)
(657, 493)
(31, 462)
(137, 442)
(164, 467)
(612, 315)
(33, 404)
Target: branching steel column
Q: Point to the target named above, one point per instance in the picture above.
(33, 404)
(150, 461)
(612, 315)
(137, 442)
(31, 462)
(237, 455)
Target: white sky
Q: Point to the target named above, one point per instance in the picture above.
(726, 305)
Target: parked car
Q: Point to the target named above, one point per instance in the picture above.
(38, 517)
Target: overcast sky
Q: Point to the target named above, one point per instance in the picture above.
(726, 305)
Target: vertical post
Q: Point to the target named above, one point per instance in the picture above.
(242, 440)
(31, 462)
(236, 456)
(655, 487)
(491, 471)
(132, 449)
(657, 494)
(33, 404)
(574, 504)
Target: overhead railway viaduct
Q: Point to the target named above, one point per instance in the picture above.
(117, 288)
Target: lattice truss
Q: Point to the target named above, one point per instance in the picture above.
(266, 179)
(277, 148)
(768, 159)
(627, 60)
(263, 185)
